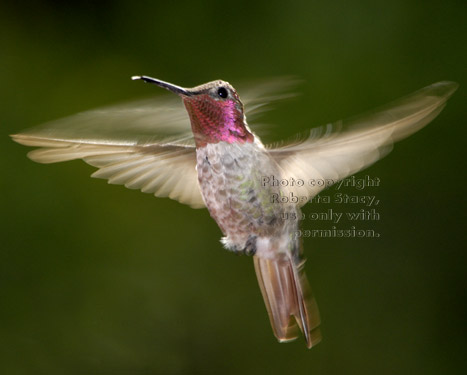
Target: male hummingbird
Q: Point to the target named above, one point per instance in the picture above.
(221, 164)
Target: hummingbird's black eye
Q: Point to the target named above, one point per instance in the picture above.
(222, 92)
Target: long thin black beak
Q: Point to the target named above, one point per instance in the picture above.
(174, 88)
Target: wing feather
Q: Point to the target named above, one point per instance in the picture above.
(145, 144)
(338, 150)
(165, 170)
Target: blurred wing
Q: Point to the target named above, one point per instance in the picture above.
(258, 95)
(145, 144)
(339, 150)
(161, 119)
(165, 170)
(157, 120)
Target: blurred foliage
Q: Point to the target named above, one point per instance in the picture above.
(97, 279)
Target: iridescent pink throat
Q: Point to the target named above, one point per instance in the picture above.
(213, 121)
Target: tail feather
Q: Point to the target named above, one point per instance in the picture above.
(288, 299)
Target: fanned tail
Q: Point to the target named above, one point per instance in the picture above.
(288, 299)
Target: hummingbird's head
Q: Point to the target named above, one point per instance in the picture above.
(215, 110)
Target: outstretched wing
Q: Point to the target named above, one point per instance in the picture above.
(338, 150)
(164, 169)
(145, 144)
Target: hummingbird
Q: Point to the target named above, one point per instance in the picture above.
(221, 164)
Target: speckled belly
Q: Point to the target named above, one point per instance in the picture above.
(230, 180)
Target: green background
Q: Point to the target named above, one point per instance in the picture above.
(98, 279)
